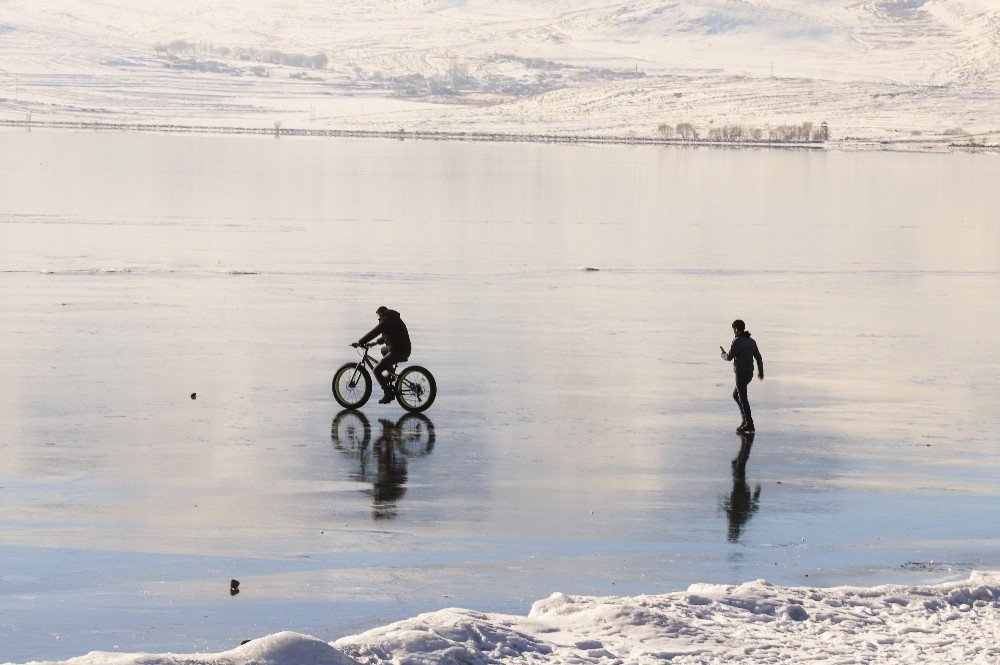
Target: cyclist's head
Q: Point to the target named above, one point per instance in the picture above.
(381, 311)
(739, 326)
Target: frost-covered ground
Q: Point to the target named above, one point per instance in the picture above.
(756, 622)
(914, 71)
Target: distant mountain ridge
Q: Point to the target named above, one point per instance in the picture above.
(490, 63)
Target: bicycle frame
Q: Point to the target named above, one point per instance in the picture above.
(368, 360)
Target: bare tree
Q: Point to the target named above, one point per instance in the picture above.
(687, 131)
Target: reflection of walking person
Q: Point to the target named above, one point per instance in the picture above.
(742, 502)
(743, 352)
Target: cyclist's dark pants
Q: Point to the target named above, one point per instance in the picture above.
(740, 395)
(387, 362)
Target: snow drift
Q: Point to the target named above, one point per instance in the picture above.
(756, 622)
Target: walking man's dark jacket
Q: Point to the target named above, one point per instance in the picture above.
(743, 352)
(394, 334)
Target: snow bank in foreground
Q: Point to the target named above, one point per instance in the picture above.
(755, 622)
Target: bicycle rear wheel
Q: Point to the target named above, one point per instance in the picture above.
(415, 389)
(352, 386)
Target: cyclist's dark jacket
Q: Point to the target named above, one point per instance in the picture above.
(743, 352)
(394, 334)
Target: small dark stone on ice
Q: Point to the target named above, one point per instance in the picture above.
(245, 642)
(234, 587)
(194, 395)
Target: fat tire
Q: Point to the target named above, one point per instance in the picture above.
(404, 395)
(351, 400)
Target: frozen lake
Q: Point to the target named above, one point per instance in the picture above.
(583, 431)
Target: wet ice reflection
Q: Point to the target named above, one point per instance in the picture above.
(583, 432)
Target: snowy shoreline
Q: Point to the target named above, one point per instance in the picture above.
(755, 622)
(854, 145)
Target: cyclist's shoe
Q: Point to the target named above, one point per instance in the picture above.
(749, 429)
(386, 398)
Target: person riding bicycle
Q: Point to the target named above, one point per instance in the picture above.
(396, 349)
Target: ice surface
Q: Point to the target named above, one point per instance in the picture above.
(920, 73)
(582, 437)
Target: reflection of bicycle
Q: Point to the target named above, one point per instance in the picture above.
(382, 462)
(412, 435)
(352, 384)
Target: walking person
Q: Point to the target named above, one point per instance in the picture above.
(743, 352)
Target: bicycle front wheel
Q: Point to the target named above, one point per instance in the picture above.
(352, 386)
(415, 389)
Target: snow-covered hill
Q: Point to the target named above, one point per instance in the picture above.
(876, 69)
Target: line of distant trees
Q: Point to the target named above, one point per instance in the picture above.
(246, 54)
(801, 133)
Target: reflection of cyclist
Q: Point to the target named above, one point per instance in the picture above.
(383, 462)
(396, 339)
(389, 484)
